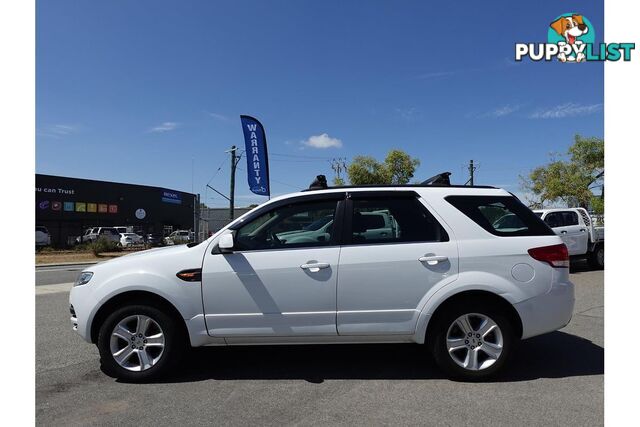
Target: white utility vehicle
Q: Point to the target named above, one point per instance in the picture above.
(447, 275)
(130, 239)
(92, 234)
(178, 237)
(578, 231)
(43, 238)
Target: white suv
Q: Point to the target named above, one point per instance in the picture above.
(446, 274)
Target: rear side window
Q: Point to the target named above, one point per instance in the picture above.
(501, 215)
(393, 220)
(570, 218)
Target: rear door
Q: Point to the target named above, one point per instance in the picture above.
(383, 278)
(566, 225)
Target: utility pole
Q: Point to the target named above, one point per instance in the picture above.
(472, 169)
(339, 165)
(233, 181)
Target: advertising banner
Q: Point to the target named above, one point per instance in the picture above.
(255, 142)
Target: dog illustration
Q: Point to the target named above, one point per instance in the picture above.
(570, 27)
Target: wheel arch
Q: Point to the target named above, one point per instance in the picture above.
(135, 297)
(478, 296)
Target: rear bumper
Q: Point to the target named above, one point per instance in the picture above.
(547, 312)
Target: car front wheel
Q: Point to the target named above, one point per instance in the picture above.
(472, 343)
(139, 343)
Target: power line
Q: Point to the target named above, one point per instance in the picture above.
(275, 180)
(217, 170)
(299, 156)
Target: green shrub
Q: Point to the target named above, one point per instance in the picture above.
(103, 245)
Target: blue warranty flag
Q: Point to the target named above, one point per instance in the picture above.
(255, 142)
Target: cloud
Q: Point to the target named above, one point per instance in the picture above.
(500, 111)
(409, 114)
(220, 117)
(63, 129)
(322, 141)
(165, 127)
(569, 109)
(437, 74)
(495, 66)
(59, 130)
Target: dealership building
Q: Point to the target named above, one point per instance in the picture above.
(67, 206)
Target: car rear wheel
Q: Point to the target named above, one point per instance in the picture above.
(596, 258)
(472, 343)
(139, 343)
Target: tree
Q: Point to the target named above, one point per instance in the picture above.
(569, 180)
(398, 168)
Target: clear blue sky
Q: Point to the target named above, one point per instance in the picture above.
(137, 91)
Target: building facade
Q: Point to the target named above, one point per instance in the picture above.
(213, 219)
(67, 206)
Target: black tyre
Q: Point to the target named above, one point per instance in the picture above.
(139, 343)
(596, 258)
(471, 342)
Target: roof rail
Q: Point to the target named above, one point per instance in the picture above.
(440, 180)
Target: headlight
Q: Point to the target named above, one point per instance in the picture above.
(83, 278)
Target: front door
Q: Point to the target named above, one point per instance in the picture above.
(384, 277)
(279, 280)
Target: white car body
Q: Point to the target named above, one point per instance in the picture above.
(357, 293)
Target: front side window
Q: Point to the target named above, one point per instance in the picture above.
(555, 219)
(290, 226)
(393, 220)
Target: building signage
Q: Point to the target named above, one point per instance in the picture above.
(171, 197)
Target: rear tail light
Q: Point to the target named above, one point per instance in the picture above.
(554, 255)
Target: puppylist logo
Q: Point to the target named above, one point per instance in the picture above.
(571, 38)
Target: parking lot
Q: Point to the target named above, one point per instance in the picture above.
(554, 379)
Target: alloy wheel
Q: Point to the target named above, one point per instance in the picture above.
(474, 341)
(137, 342)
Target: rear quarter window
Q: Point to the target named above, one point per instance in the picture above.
(503, 216)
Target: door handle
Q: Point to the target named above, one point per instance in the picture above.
(433, 259)
(563, 232)
(315, 267)
(582, 230)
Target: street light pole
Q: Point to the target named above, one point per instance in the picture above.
(232, 190)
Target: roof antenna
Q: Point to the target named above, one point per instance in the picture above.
(319, 183)
(440, 179)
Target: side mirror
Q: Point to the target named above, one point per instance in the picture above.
(225, 244)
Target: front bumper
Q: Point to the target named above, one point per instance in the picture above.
(547, 312)
(79, 311)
